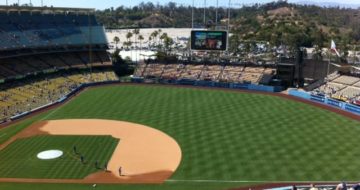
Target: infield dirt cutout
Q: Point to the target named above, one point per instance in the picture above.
(145, 154)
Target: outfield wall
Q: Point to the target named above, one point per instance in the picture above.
(244, 86)
(325, 100)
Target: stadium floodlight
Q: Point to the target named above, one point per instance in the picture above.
(216, 13)
(229, 15)
(204, 13)
(192, 14)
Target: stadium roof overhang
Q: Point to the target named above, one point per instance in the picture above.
(46, 9)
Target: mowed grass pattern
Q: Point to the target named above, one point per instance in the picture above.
(19, 159)
(231, 135)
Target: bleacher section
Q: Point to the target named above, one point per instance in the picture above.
(171, 71)
(231, 74)
(191, 72)
(340, 87)
(34, 29)
(217, 73)
(25, 65)
(39, 41)
(21, 96)
(211, 72)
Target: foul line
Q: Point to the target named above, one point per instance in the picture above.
(243, 181)
(49, 114)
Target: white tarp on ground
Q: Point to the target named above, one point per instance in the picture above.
(50, 154)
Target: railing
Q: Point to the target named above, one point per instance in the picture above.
(326, 100)
(191, 82)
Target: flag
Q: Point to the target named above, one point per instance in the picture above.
(333, 48)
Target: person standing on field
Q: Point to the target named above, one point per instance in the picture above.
(120, 171)
(82, 159)
(75, 149)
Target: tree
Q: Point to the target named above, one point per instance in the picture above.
(150, 39)
(116, 56)
(234, 43)
(116, 41)
(140, 38)
(154, 35)
(136, 32)
(127, 44)
(162, 40)
(121, 67)
(168, 42)
(128, 36)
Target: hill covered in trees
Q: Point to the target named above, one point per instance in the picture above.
(277, 23)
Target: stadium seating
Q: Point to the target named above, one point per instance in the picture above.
(153, 70)
(35, 41)
(171, 71)
(191, 72)
(348, 80)
(19, 97)
(340, 87)
(25, 65)
(204, 72)
(231, 73)
(42, 53)
(29, 30)
(211, 72)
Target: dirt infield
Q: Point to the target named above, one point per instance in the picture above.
(146, 155)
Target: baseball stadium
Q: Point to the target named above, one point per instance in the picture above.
(77, 113)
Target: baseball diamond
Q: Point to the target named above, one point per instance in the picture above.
(201, 95)
(250, 129)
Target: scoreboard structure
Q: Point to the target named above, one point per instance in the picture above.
(205, 40)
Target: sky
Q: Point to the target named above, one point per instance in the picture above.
(102, 4)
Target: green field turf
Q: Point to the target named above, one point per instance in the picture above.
(231, 136)
(19, 159)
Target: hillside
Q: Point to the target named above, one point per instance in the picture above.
(279, 23)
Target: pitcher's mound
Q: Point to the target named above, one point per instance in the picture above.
(49, 154)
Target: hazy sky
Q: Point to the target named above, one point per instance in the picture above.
(102, 4)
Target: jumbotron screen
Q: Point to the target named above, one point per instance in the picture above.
(208, 40)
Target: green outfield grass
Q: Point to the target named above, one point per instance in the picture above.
(19, 159)
(230, 136)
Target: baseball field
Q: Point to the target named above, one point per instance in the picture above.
(227, 139)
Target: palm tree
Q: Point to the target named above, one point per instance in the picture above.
(162, 38)
(128, 36)
(127, 44)
(154, 35)
(136, 32)
(141, 38)
(116, 40)
(168, 42)
(150, 39)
